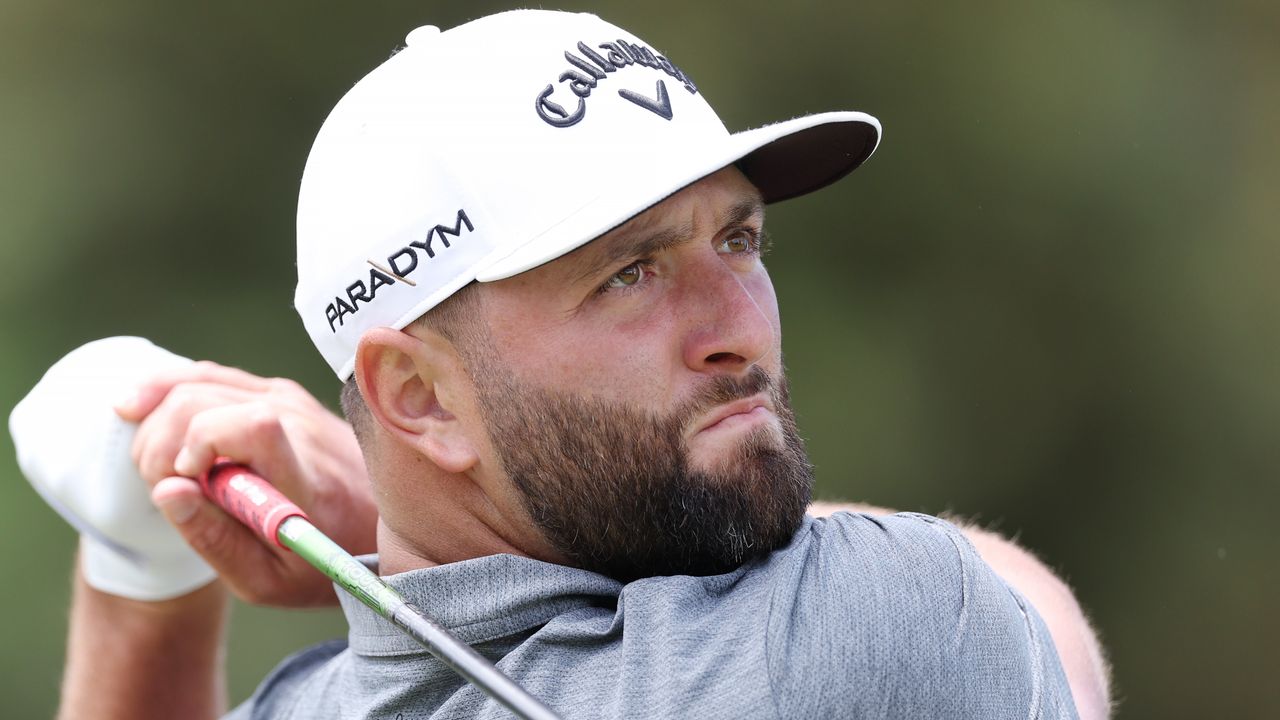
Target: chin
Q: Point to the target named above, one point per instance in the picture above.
(728, 455)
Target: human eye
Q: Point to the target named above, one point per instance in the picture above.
(629, 277)
(742, 241)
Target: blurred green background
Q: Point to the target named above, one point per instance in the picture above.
(1049, 300)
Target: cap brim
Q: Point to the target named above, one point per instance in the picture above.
(783, 160)
(799, 156)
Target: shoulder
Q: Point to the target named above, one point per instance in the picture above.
(854, 567)
(906, 559)
(280, 690)
(898, 611)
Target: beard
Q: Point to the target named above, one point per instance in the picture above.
(613, 490)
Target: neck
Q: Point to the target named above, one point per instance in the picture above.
(434, 523)
(429, 547)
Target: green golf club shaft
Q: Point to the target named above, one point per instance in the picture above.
(262, 507)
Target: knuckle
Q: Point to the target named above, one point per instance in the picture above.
(264, 420)
(152, 468)
(183, 400)
(284, 386)
(186, 407)
(199, 429)
(155, 463)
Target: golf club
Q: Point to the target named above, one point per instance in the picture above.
(259, 505)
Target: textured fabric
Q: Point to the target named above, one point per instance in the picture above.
(860, 617)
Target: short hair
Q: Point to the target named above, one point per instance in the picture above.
(456, 319)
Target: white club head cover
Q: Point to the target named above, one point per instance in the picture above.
(75, 451)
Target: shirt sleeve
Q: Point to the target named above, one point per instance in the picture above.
(898, 616)
(276, 694)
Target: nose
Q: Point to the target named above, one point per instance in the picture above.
(730, 325)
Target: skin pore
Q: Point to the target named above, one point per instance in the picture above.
(624, 409)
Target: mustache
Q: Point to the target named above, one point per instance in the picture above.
(723, 389)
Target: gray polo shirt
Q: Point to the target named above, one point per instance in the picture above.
(859, 617)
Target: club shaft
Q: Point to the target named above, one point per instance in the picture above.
(274, 518)
(300, 536)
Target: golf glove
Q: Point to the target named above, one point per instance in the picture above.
(75, 451)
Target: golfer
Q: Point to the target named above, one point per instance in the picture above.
(532, 252)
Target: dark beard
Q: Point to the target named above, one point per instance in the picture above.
(612, 490)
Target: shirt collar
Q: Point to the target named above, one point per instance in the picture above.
(478, 600)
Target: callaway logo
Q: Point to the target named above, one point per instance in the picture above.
(399, 266)
(587, 73)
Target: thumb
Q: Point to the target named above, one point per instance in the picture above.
(179, 499)
(230, 548)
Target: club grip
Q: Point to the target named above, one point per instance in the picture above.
(250, 499)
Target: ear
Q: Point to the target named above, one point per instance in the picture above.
(409, 384)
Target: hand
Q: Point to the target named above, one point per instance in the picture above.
(193, 415)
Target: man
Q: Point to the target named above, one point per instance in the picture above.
(533, 253)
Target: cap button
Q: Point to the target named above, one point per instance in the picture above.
(422, 35)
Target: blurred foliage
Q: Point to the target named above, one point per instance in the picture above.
(1048, 302)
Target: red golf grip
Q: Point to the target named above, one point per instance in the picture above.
(247, 497)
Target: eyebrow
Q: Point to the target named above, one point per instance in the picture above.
(623, 246)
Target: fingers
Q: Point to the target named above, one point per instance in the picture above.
(253, 570)
(161, 435)
(253, 433)
(228, 546)
(153, 392)
(169, 402)
(190, 417)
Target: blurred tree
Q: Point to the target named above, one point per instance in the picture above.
(1047, 302)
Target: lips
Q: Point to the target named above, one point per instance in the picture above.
(736, 409)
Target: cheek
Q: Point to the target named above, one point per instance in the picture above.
(625, 358)
(615, 359)
(761, 288)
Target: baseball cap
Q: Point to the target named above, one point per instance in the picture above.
(499, 145)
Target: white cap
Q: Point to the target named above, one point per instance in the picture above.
(504, 143)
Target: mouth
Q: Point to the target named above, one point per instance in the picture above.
(746, 411)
